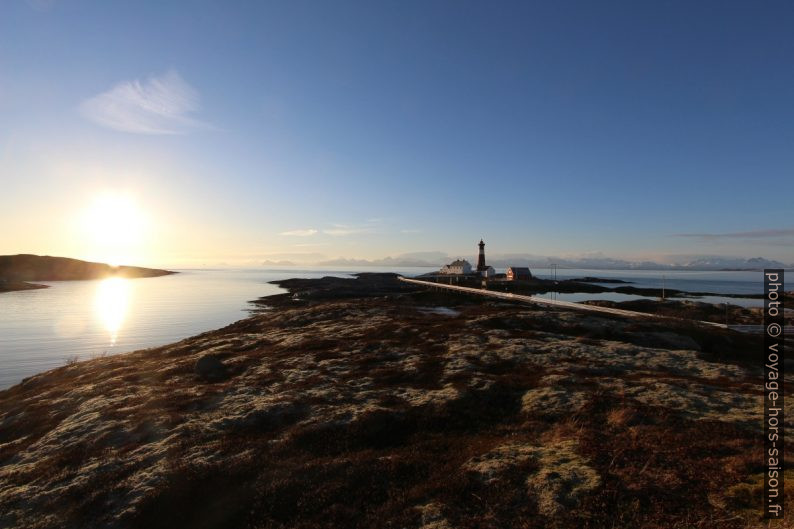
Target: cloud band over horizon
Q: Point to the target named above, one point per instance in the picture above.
(754, 234)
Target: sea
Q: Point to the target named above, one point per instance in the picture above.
(77, 320)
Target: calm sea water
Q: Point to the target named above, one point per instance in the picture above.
(744, 282)
(43, 329)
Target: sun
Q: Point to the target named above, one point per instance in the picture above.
(113, 227)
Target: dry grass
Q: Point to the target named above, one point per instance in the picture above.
(373, 413)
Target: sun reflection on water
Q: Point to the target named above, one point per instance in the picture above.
(111, 303)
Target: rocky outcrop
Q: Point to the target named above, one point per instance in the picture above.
(333, 408)
(210, 368)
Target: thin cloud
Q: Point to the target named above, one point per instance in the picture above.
(342, 231)
(41, 5)
(756, 234)
(158, 105)
(299, 233)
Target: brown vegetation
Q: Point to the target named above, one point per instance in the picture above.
(342, 411)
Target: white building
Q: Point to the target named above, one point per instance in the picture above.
(459, 266)
(488, 272)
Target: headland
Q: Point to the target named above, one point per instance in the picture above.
(17, 270)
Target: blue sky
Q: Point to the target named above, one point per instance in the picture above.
(311, 130)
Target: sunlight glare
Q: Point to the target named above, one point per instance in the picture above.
(111, 303)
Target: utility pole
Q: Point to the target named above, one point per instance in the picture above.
(663, 279)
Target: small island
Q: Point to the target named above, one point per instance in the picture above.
(17, 270)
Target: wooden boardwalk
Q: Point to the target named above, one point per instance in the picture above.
(759, 329)
(550, 302)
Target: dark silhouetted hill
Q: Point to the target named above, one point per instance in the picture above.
(28, 267)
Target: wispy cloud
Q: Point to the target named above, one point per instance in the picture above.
(335, 230)
(158, 105)
(756, 234)
(41, 5)
(299, 233)
(310, 244)
(341, 230)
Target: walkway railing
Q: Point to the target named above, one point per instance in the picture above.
(549, 302)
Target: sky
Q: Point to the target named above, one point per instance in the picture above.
(227, 132)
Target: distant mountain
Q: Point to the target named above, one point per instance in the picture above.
(608, 263)
(277, 263)
(429, 259)
(732, 263)
(437, 259)
(341, 261)
(593, 261)
(533, 261)
(28, 267)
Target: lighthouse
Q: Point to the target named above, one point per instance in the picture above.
(481, 267)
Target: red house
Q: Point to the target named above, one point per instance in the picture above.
(518, 273)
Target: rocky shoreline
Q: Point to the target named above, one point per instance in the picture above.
(373, 403)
